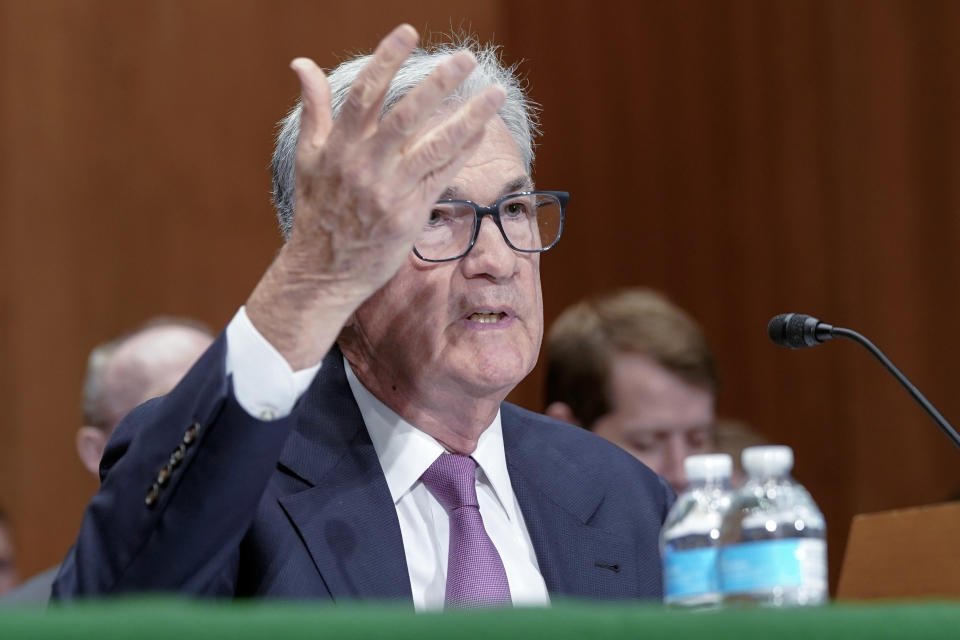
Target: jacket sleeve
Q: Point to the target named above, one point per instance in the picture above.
(181, 480)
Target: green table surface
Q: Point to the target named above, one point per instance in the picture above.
(177, 618)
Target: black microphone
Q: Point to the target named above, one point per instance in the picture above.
(798, 331)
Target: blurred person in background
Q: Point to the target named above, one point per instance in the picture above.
(121, 374)
(637, 370)
(9, 575)
(129, 370)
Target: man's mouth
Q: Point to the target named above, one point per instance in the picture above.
(486, 317)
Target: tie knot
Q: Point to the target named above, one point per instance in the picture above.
(452, 481)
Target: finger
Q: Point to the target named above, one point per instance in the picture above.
(315, 118)
(445, 143)
(408, 116)
(436, 181)
(361, 110)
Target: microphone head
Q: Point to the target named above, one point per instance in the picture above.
(794, 330)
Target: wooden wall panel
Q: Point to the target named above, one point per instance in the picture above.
(747, 158)
(752, 158)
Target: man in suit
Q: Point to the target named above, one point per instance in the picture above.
(346, 437)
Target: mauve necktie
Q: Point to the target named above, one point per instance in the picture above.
(475, 574)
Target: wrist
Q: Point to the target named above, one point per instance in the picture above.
(299, 311)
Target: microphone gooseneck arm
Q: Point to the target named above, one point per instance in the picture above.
(799, 331)
(850, 334)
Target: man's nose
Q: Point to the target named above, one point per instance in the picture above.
(490, 255)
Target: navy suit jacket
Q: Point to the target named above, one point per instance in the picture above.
(200, 498)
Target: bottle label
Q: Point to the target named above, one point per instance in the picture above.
(689, 572)
(765, 564)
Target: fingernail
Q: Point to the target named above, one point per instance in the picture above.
(299, 63)
(496, 96)
(406, 35)
(464, 61)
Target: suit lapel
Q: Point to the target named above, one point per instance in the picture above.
(348, 522)
(346, 517)
(558, 502)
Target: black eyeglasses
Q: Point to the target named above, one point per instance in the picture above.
(529, 222)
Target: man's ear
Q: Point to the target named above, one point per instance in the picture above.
(90, 444)
(562, 411)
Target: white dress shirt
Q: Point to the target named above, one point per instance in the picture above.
(267, 388)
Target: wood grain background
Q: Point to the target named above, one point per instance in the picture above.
(746, 157)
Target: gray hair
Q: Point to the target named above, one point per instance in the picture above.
(519, 113)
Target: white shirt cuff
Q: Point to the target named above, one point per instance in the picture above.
(263, 382)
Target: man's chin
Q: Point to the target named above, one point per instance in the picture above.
(490, 375)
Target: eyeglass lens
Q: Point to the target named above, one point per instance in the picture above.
(531, 222)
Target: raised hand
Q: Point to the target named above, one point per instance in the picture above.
(364, 187)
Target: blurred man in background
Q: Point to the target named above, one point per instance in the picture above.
(129, 370)
(636, 369)
(121, 374)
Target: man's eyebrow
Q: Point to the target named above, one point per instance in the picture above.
(522, 183)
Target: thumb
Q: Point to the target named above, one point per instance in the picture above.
(315, 117)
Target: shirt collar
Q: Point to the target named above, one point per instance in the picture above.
(405, 451)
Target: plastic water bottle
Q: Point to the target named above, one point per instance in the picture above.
(691, 533)
(773, 549)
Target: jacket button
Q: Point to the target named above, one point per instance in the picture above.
(191, 433)
(177, 456)
(152, 494)
(164, 475)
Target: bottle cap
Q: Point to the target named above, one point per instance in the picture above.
(769, 460)
(711, 465)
